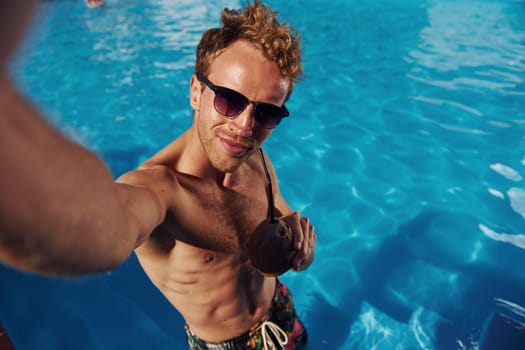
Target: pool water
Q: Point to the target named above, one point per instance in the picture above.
(405, 147)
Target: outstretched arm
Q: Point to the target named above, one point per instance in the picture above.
(60, 211)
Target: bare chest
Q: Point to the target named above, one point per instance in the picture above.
(217, 219)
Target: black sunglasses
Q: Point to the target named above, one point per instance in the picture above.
(231, 103)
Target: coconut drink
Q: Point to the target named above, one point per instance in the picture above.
(271, 246)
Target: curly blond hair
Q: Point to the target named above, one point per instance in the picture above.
(258, 25)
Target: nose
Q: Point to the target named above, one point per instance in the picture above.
(244, 123)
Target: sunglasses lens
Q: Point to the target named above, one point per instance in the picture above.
(269, 116)
(229, 103)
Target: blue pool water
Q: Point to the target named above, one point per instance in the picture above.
(406, 148)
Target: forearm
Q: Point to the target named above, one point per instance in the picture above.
(60, 212)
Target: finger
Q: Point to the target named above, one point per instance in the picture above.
(305, 223)
(305, 226)
(302, 254)
(307, 234)
(298, 262)
(297, 229)
(308, 249)
(311, 237)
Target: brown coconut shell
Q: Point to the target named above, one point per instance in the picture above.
(271, 247)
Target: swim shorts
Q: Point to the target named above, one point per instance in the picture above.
(280, 328)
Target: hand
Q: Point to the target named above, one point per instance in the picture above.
(304, 240)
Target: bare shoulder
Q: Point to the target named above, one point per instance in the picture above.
(154, 175)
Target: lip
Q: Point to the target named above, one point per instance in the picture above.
(234, 148)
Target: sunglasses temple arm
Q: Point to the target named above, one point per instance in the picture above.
(270, 192)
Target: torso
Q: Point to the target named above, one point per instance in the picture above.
(196, 257)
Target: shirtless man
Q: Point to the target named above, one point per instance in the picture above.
(217, 185)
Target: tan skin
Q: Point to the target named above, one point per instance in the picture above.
(196, 256)
(61, 213)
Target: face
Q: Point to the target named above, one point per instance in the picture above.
(228, 142)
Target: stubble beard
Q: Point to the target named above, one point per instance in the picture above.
(210, 142)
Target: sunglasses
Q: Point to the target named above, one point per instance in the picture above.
(231, 103)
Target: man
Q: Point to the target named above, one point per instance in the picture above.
(197, 256)
(60, 211)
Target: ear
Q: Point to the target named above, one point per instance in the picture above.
(195, 93)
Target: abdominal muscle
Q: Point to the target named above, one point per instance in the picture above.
(219, 295)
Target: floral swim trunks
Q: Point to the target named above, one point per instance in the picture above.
(280, 329)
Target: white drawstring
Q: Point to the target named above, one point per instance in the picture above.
(279, 334)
